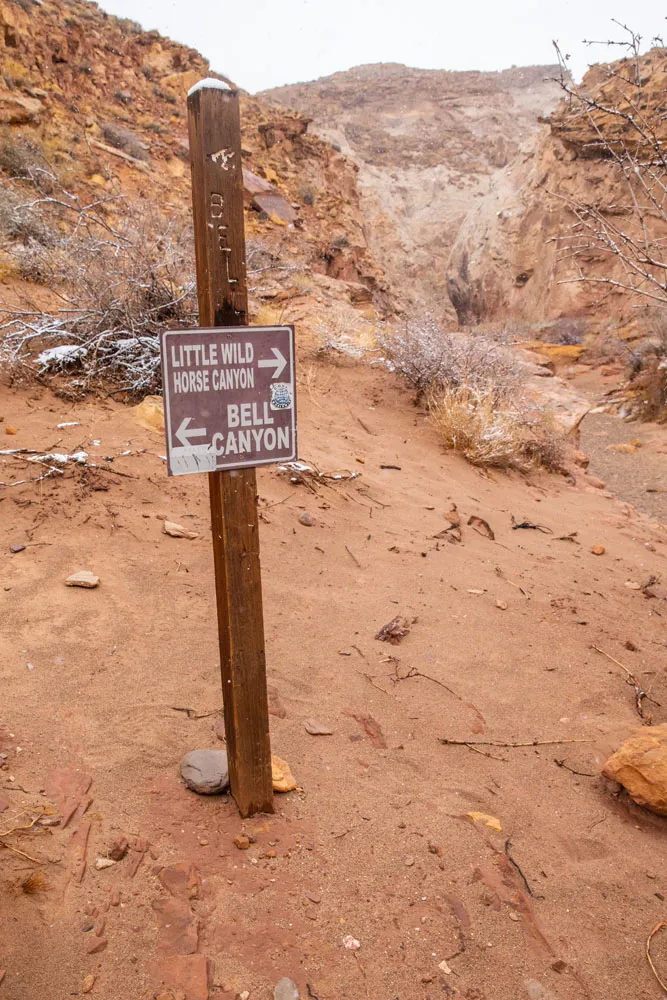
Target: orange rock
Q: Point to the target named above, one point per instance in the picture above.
(598, 550)
(640, 765)
(283, 779)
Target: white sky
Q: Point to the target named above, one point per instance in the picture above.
(266, 43)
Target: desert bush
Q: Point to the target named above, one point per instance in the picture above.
(121, 137)
(474, 391)
(120, 288)
(430, 359)
(21, 222)
(564, 330)
(646, 389)
(164, 96)
(23, 160)
(506, 434)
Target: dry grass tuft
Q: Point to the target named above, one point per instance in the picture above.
(495, 432)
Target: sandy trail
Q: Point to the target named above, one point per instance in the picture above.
(378, 843)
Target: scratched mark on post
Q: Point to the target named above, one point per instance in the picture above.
(223, 158)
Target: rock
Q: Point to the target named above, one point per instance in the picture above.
(11, 430)
(306, 519)
(118, 849)
(206, 771)
(17, 110)
(150, 414)
(581, 459)
(598, 550)
(596, 483)
(283, 779)
(84, 578)
(95, 945)
(286, 989)
(275, 206)
(502, 605)
(102, 863)
(87, 984)
(317, 728)
(351, 943)
(490, 821)
(16, 548)
(115, 898)
(640, 765)
(242, 842)
(178, 531)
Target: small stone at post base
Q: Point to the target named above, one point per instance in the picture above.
(206, 771)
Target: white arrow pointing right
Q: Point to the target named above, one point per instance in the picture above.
(278, 362)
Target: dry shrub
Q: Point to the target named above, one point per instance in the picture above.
(430, 359)
(21, 222)
(474, 387)
(119, 288)
(646, 390)
(121, 138)
(489, 432)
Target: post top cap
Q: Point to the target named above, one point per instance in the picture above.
(208, 84)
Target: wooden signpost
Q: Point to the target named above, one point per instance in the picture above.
(208, 420)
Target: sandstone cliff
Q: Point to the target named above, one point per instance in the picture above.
(509, 244)
(430, 146)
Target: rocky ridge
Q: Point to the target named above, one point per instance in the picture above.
(105, 103)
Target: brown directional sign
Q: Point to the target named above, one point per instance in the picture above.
(228, 397)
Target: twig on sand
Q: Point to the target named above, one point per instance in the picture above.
(413, 672)
(663, 923)
(508, 848)
(371, 680)
(584, 774)
(22, 853)
(352, 555)
(498, 743)
(640, 694)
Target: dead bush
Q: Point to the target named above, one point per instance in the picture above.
(121, 138)
(21, 221)
(430, 359)
(474, 390)
(120, 288)
(23, 160)
(646, 389)
(472, 421)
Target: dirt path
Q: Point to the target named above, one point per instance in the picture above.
(636, 471)
(380, 843)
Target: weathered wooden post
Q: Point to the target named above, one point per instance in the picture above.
(217, 204)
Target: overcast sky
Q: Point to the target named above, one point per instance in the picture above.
(266, 43)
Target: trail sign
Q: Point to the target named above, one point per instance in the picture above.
(229, 398)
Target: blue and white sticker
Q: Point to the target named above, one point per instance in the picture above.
(281, 396)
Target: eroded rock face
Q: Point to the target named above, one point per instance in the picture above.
(640, 765)
(429, 145)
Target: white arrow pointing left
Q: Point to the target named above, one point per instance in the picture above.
(184, 432)
(278, 362)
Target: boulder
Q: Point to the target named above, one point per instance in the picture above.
(640, 765)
